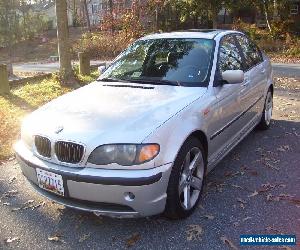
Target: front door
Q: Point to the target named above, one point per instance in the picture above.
(227, 125)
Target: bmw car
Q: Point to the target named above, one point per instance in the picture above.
(141, 139)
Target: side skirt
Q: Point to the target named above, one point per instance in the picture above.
(243, 133)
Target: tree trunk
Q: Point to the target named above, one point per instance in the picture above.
(275, 12)
(63, 41)
(111, 9)
(215, 20)
(267, 16)
(86, 10)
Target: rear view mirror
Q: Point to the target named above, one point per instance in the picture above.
(233, 76)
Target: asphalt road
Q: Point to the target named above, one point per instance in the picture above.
(44, 67)
(286, 70)
(255, 189)
(280, 69)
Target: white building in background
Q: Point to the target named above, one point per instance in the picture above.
(47, 9)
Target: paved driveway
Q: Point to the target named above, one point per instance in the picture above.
(255, 189)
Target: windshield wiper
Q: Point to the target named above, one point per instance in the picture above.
(155, 82)
(108, 80)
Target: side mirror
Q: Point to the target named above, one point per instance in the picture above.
(233, 76)
(101, 69)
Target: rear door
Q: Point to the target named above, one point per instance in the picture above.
(255, 79)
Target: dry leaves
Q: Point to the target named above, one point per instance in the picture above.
(253, 194)
(208, 216)
(55, 238)
(242, 202)
(132, 240)
(272, 229)
(247, 218)
(11, 180)
(11, 240)
(226, 241)
(84, 237)
(9, 194)
(194, 232)
(236, 186)
(284, 148)
(29, 205)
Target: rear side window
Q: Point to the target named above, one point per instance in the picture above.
(251, 52)
(229, 55)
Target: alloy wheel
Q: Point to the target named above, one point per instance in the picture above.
(191, 178)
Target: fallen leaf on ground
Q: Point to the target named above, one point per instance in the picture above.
(269, 228)
(285, 196)
(55, 238)
(11, 180)
(226, 241)
(269, 165)
(194, 232)
(265, 187)
(253, 194)
(283, 148)
(247, 218)
(208, 216)
(231, 174)
(10, 240)
(9, 194)
(253, 172)
(241, 201)
(84, 237)
(285, 247)
(132, 240)
(270, 197)
(295, 201)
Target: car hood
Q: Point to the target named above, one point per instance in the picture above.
(113, 112)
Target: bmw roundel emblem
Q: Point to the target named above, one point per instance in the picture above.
(58, 129)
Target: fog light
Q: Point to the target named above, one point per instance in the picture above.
(129, 196)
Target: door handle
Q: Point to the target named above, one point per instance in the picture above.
(246, 82)
(263, 71)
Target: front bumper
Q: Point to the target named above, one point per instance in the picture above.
(103, 191)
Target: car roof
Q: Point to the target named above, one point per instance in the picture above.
(192, 33)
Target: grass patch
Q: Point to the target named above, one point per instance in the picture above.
(23, 100)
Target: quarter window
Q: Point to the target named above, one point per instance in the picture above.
(251, 52)
(229, 55)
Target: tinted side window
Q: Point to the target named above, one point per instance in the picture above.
(251, 53)
(229, 55)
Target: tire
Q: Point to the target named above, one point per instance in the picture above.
(186, 180)
(266, 117)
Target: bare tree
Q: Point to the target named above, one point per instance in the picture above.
(86, 10)
(63, 41)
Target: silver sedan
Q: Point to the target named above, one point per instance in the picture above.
(140, 140)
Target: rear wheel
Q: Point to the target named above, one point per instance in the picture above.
(267, 112)
(186, 180)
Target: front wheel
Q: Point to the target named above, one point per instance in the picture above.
(267, 112)
(186, 180)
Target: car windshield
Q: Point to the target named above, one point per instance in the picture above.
(184, 62)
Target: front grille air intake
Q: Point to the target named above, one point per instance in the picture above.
(43, 146)
(69, 152)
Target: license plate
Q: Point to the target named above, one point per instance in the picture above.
(50, 181)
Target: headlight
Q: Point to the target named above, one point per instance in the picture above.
(124, 154)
